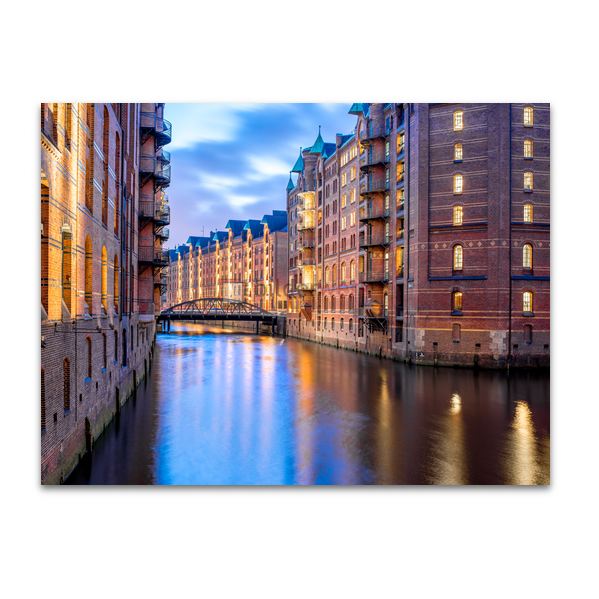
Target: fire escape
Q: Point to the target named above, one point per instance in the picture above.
(306, 261)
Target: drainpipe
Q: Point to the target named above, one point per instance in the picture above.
(407, 215)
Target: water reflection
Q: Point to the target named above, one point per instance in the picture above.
(222, 407)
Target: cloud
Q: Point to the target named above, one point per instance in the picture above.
(265, 167)
(240, 201)
(206, 122)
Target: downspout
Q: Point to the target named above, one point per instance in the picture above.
(407, 214)
(509, 348)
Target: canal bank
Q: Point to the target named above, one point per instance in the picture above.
(223, 407)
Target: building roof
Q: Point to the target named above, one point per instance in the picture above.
(220, 236)
(255, 227)
(290, 185)
(298, 167)
(274, 222)
(328, 150)
(318, 146)
(236, 226)
(279, 213)
(172, 255)
(359, 109)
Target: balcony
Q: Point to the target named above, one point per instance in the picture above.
(374, 240)
(374, 276)
(374, 186)
(152, 255)
(371, 160)
(157, 165)
(399, 275)
(162, 233)
(306, 286)
(371, 133)
(162, 129)
(373, 213)
(374, 311)
(307, 262)
(305, 225)
(158, 211)
(400, 207)
(400, 235)
(305, 244)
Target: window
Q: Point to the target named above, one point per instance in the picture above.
(457, 332)
(528, 116)
(341, 324)
(527, 256)
(104, 342)
(344, 200)
(116, 346)
(527, 181)
(527, 334)
(457, 183)
(343, 272)
(352, 271)
(343, 223)
(332, 324)
(457, 215)
(352, 196)
(43, 400)
(527, 301)
(457, 257)
(325, 323)
(66, 375)
(457, 301)
(527, 213)
(528, 148)
(343, 179)
(352, 219)
(457, 152)
(104, 281)
(458, 120)
(353, 172)
(351, 325)
(89, 261)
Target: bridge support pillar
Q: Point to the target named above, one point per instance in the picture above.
(168, 325)
(273, 326)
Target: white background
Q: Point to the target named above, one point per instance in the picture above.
(304, 542)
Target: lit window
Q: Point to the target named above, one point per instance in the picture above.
(458, 120)
(527, 213)
(457, 257)
(352, 271)
(343, 272)
(353, 172)
(527, 256)
(457, 184)
(528, 181)
(343, 179)
(527, 301)
(457, 215)
(528, 148)
(343, 223)
(344, 200)
(457, 301)
(352, 196)
(457, 152)
(352, 219)
(528, 116)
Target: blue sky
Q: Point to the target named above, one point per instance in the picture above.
(233, 160)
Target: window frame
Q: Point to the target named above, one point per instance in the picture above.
(458, 121)
(458, 152)
(457, 178)
(528, 116)
(458, 210)
(458, 249)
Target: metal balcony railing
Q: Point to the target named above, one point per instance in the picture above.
(162, 129)
(368, 160)
(306, 262)
(373, 212)
(306, 286)
(374, 239)
(152, 254)
(400, 234)
(305, 243)
(400, 206)
(399, 274)
(373, 312)
(374, 185)
(163, 233)
(306, 225)
(374, 276)
(373, 132)
(158, 211)
(159, 166)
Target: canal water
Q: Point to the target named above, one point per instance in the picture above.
(223, 407)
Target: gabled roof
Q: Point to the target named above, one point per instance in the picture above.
(172, 255)
(298, 167)
(318, 146)
(359, 109)
(328, 150)
(220, 236)
(345, 138)
(202, 242)
(279, 213)
(255, 227)
(274, 223)
(183, 249)
(290, 185)
(236, 226)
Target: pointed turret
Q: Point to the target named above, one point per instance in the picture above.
(318, 144)
(299, 164)
(290, 185)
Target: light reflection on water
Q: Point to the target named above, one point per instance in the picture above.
(223, 407)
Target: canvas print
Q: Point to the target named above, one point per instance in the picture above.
(295, 294)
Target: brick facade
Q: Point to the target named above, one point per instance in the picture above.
(461, 173)
(97, 337)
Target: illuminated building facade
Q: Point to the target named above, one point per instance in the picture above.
(450, 264)
(246, 262)
(103, 211)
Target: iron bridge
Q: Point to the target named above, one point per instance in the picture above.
(217, 308)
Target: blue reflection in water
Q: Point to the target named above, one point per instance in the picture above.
(228, 408)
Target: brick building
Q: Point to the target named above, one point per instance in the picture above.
(451, 264)
(247, 262)
(103, 211)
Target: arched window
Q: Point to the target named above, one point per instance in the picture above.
(325, 323)
(66, 375)
(527, 213)
(124, 360)
(528, 148)
(527, 334)
(341, 324)
(457, 301)
(88, 343)
(104, 281)
(457, 257)
(89, 275)
(116, 284)
(342, 303)
(326, 276)
(528, 116)
(117, 170)
(332, 324)
(343, 273)
(131, 337)
(333, 303)
(351, 303)
(326, 303)
(458, 120)
(68, 134)
(386, 305)
(527, 301)
(527, 256)
(457, 152)
(528, 181)
(67, 258)
(334, 273)
(351, 325)
(458, 184)
(89, 162)
(458, 215)
(352, 271)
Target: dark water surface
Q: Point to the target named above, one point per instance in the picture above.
(228, 408)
